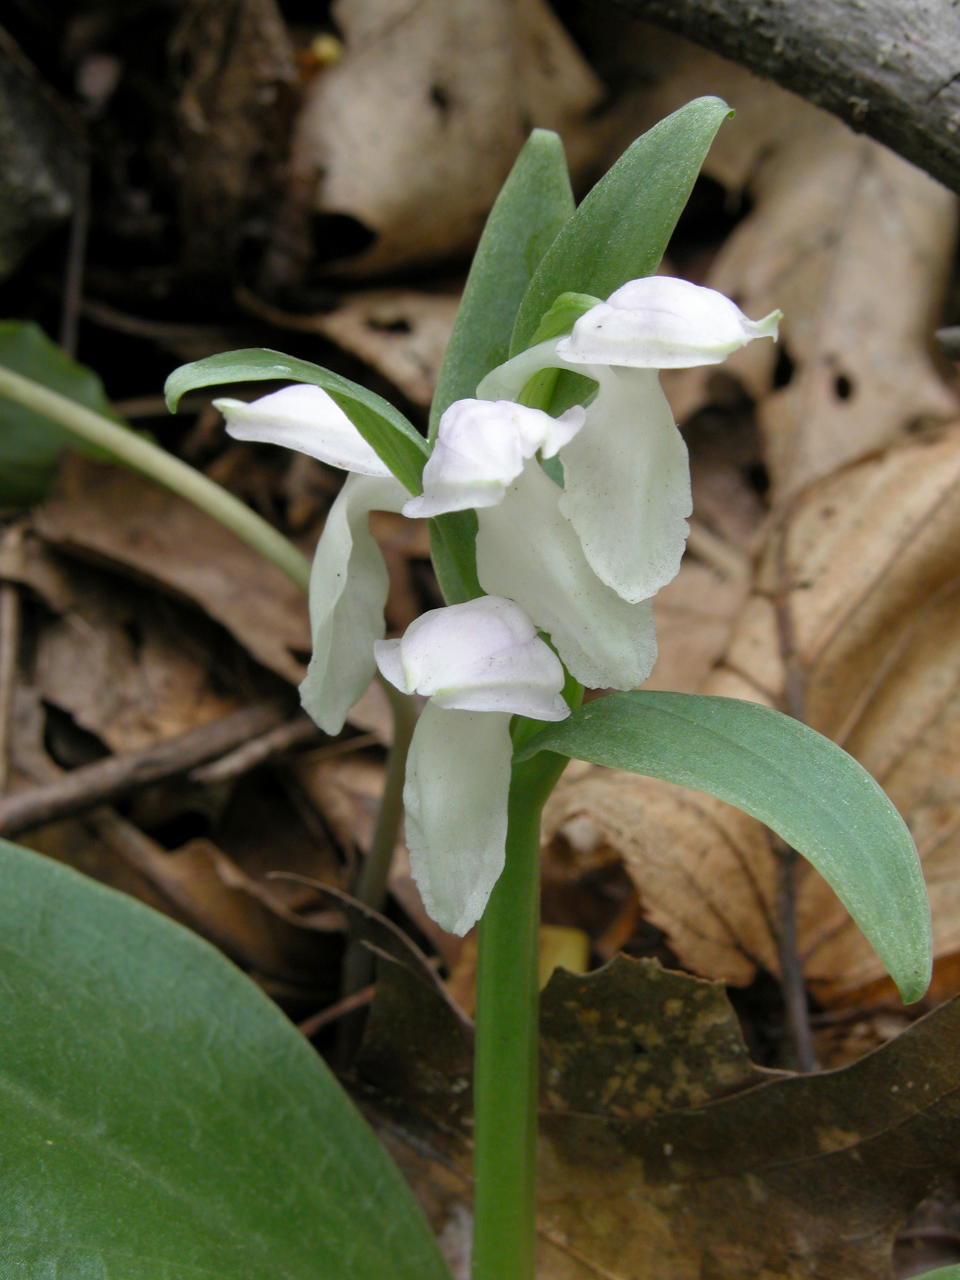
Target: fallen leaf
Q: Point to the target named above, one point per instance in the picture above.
(666, 1152)
(796, 1178)
(401, 333)
(426, 111)
(113, 515)
(128, 665)
(853, 244)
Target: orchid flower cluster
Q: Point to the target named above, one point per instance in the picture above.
(570, 569)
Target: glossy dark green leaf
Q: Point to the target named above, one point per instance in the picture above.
(384, 428)
(30, 444)
(533, 205)
(162, 1120)
(621, 229)
(803, 786)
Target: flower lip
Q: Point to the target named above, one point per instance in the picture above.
(660, 322)
(481, 448)
(305, 418)
(483, 655)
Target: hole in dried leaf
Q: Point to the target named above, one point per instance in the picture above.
(338, 235)
(440, 97)
(784, 368)
(399, 325)
(711, 214)
(843, 387)
(757, 477)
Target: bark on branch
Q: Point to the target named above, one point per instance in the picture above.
(888, 69)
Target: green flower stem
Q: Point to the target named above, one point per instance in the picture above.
(505, 1062)
(152, 461)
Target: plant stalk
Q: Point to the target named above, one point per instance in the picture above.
(506, 1057)
(150, 460)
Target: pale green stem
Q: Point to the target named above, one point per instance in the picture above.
(161, 466)
(507, 1037)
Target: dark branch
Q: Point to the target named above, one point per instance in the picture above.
(888, 69)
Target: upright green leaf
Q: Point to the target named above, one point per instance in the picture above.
(383, 427)
(30, 444)
(621, 229)
(162, 1120)
(813, 794)
(533, 205)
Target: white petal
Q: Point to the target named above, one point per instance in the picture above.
(627, 484)
(662, 323)
(483, 655)
(507, 380)
(305, 418)
(348, 590)
(481, 447)
(528, 551)
(455, 797)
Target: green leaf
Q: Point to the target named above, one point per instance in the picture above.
(621, 229)
(806, 788)
(30, 444)
(383, 427)
(162, 1120)
(942, 1273)
(533, 204)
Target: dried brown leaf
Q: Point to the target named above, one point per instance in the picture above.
(113, 515)
(401, 333)
(666, 1152)
(853, 244)
(426, 112)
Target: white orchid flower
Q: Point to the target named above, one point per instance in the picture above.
(479, 663)
(348, 581)
(585, 560)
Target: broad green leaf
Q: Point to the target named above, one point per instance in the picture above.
(162, 1120)
(384, 428)
(806, 788)
(31, 445)
(621, 229)
(533, 204)
(942, 1273)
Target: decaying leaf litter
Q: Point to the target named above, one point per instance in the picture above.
(820, 578)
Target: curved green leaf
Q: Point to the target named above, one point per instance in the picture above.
(533, 204)
(383, 427)
(30, 444)
(806, 788)
(162, 1120)
(621, 229)
(942, 1273)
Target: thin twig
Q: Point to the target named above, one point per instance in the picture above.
(10, 617)
(76, 260)
(296, 732)
(91, 785)
(349, 1004)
